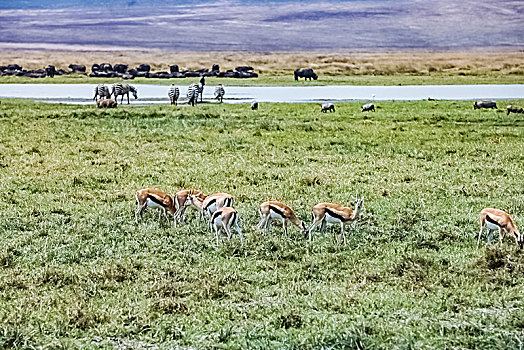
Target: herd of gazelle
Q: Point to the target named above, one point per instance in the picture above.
(218, 209)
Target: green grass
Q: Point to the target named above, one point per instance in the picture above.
(77, 272)
(288, 80)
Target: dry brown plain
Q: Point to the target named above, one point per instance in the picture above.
(479, 62)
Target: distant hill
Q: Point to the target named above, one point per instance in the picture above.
(265, 25)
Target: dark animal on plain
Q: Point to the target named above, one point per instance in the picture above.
(219, 92)
(244, 68)
(174, 69)
(101, 92)
(174, 93)
(120, 68)
(514, 109)
(107, 103)
(202, 83)
(254, 105)
(305, 73)
(192, 94)
(120, 89)
(485, 104)
(50, 71)
(327, 107)
(144, 68)
(215, 68)
(368, 107)
(77, 68)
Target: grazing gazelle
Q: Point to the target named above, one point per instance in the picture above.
(209, 204)
(331, 213)
(180, 200)
(495, 219)
(153, 198)
(223, 220)
(278, 210)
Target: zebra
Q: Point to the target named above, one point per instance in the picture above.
(254, 105)
(219, 92)
(123, 89)
(101, 92)
(192, 94)
(174, 93)
(202, 83)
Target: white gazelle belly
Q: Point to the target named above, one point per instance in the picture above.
(332, 220)
(153, 204)
(218, 222)
(491, 226)
(274, 215)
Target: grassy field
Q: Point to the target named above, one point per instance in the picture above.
(77, 272)
(355, 68)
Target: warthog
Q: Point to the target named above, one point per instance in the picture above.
(514, 109)
(368, 107)
(305, 73)
(107, 103)
(485, 104)
(327, 107)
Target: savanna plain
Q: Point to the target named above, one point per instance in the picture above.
(77, 272)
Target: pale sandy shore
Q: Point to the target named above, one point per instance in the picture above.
(276, 63)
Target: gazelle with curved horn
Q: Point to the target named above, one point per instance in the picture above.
(277, 210)
(209, 204)
(331, 213)
(180, 200)
(495, 219)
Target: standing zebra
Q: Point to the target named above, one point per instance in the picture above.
(120, 89)
(174, 93)
(219, 92)
(192, 94)
(101, 92)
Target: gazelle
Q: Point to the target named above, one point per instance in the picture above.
(278, 210)
(180, 200)
(224, 219)
(331, 213)
(153, 198)
(495, 219)
(209, 204)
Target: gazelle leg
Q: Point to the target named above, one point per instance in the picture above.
(239, 232)
(312, 227)
(323, 226)
(217, 233)
(500, 236)
(268, 223)
(480, 233)
(342, 231)
(284, 226)
(139, 210)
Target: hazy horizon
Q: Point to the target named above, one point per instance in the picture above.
(252, 25)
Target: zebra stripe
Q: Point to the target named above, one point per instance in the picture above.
(101, 92)
(120, 89)
(192, 94)
(219, 92)
(174, 93)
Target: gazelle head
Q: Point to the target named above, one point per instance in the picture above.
(191, 198)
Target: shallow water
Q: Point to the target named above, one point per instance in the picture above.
(83, 93)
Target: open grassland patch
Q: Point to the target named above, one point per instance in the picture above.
(77, 272)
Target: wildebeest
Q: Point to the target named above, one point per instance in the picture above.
(305, 73)
(106, 103)
(514, 109)
(327, 107)
(485, 104)
(368, 107)
(254, 105)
